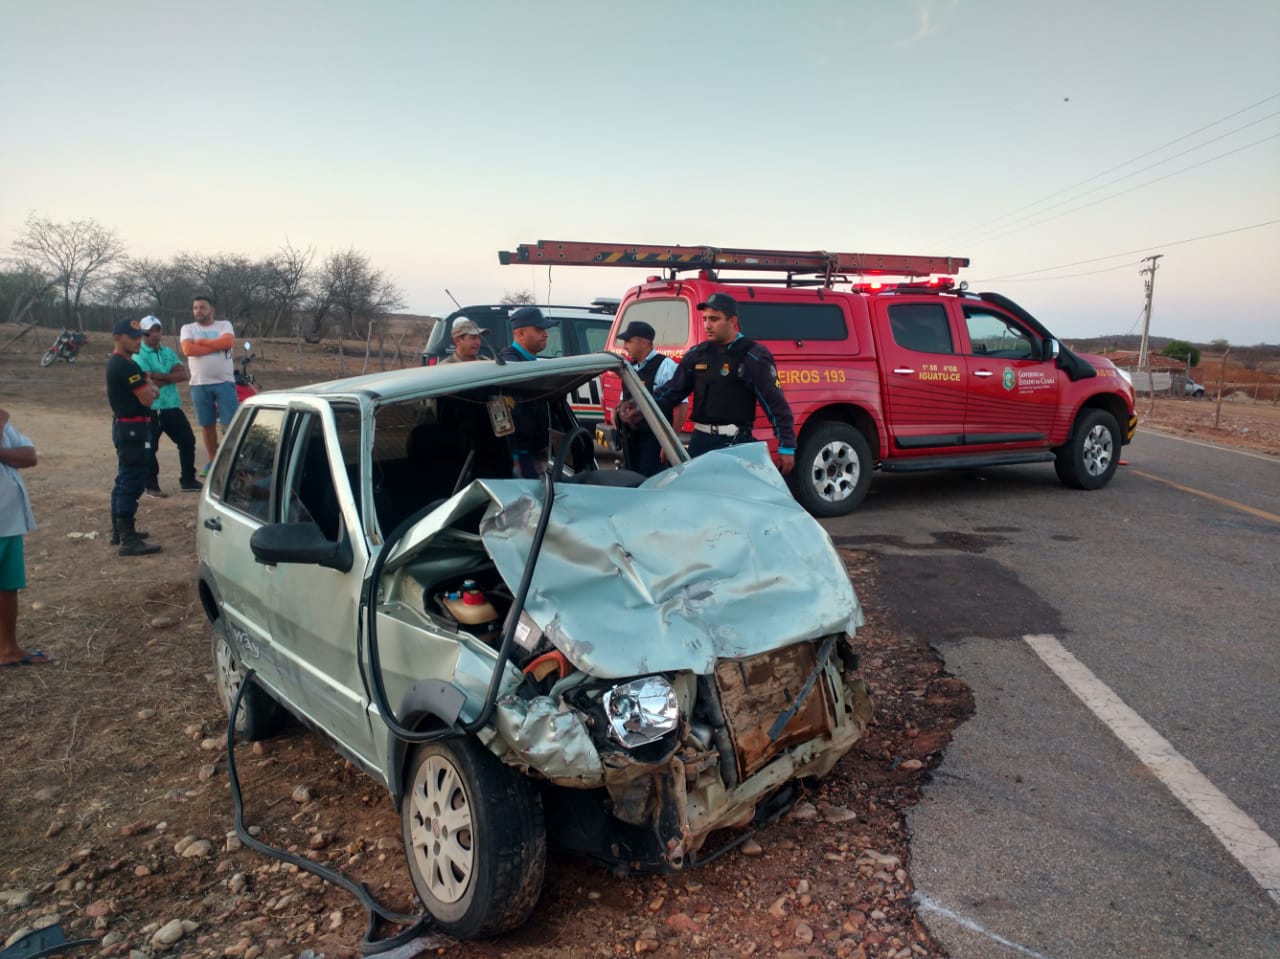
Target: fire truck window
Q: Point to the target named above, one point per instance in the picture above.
(669, 319)
(991, 334)
(793, 321)
(922, 327)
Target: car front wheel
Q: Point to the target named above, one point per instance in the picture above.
(474, 837)
(260, 716)
(832, 470)
(1090, 457)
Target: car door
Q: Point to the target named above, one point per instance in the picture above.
(1013, 392)
(924, 387)
(314, 609)
(237, 502)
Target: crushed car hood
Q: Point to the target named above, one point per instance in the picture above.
(712, 559)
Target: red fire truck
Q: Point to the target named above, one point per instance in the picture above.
(886, 361)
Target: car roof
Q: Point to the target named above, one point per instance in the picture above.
(568, 371)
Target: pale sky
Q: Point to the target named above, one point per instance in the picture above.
(430, 135)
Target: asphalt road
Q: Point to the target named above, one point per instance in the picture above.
(1042, 834)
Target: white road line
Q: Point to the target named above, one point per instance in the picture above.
(925, 904)
(1241, 836)
(1152, 431)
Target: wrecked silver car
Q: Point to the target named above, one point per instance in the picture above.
(597, 662)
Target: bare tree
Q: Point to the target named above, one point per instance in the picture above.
(239, 286)
(22, 287)
(358, 291)
(78, 256)
(287, 275)
(162, 287)
(518, 298)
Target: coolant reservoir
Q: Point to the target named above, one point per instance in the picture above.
(469, 605)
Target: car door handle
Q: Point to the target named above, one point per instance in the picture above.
(904, 371)
(213, 523)
(983, 373)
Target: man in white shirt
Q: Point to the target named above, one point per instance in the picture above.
(207, 344)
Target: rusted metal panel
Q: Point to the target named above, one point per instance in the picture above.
(755, 691)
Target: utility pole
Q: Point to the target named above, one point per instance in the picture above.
(1150, 273)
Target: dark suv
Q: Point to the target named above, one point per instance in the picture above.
(582, 329)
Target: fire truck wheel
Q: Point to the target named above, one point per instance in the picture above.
(1090, 457)
(475, 838)
(833, 469)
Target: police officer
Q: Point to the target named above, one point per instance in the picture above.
(130, 394)
(643, 454)
(728, 375)
(529, 335)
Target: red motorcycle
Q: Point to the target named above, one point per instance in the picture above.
(65, 347)
(246, 382)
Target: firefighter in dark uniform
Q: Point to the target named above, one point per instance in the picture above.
(643, 454)
(532, 419)
(130, 394)
(728, 375)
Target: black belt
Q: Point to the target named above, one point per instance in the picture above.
(133, 419)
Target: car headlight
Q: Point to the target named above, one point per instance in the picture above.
(1125, 373)
(641, 711)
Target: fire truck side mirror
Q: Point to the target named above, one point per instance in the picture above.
(1051, 349)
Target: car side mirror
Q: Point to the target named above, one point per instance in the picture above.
(1051, 349)
(300, 543)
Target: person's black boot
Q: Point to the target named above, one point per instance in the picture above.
(131, 543)
(115, 531)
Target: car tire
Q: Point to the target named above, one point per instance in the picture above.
(474, 838)
(832, 469)
(260, 716)
(48, 358)
(1090, 457)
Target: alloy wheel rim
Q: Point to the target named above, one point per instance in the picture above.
(1097, 451)
(441, 833)
(834, 472)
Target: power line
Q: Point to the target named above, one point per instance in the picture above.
(1112, 256)
(1151, 166)
(1141, 156)
(1019, 278)
(1136, 186)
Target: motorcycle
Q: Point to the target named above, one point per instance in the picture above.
(246, 382)
(65, 347)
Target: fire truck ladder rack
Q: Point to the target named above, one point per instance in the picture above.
(830, 266)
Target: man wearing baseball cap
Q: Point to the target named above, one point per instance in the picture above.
(729, 375)
(639, 445)
(130, 394)
(532, 419)
(163, 368)
(467, 337)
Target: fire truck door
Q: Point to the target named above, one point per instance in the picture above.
(1013, 393)
(922, 370)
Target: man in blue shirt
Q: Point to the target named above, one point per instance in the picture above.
(166, 371)
(529, 334)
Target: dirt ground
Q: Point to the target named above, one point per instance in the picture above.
(115, 804)
(1242, 422)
